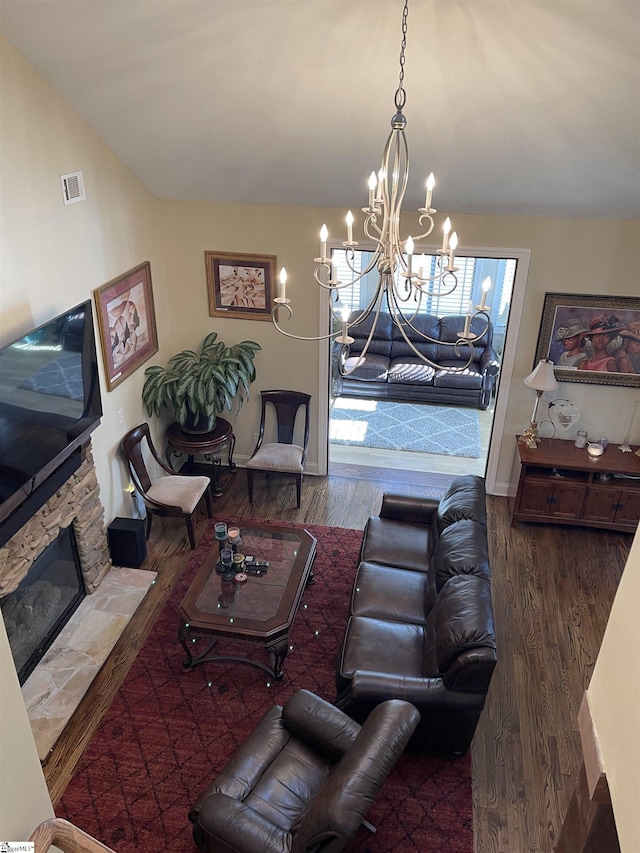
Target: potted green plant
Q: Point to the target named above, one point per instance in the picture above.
(198, 386)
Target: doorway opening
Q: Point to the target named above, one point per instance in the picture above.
(356, 424)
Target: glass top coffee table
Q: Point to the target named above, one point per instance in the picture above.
(259, 611)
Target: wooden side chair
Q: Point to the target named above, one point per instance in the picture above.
(281, 456)
(171, 495)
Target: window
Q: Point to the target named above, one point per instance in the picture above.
(472, 271)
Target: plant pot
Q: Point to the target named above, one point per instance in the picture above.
(197, 424)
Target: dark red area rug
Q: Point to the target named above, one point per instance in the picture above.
(168, 732)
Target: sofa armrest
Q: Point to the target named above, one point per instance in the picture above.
(336, 363)
(407, 508)
(319, 724)
(489, 362)
(374, 687)
(239, 827)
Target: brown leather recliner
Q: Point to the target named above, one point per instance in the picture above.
(303, 780)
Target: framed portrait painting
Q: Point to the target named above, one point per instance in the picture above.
(240, 286)
(593, 339)
(127, 323)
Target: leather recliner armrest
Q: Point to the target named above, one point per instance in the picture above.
(374, 687)
(239, 827)
(412, 509)
(319, 724)
(489, 362)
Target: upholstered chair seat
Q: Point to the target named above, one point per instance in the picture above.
(185, 492)
(278, 457)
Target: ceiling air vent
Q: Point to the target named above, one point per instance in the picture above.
(73, 187)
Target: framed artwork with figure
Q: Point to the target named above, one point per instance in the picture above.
(594, 339)
(239, 285)
(127, 323)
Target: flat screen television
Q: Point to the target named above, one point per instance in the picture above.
(49, 402)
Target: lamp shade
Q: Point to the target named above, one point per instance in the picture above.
(542, 377)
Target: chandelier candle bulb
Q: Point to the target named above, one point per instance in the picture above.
(373, 183)
(324, 234)
(486, 286)
(409, 248)
(453, 245)
(381, 177)
(467, 320)
(445, 240)
(282, 298)
(349, 227)
(431, 182)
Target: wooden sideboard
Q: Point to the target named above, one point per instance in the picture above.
(561, 484)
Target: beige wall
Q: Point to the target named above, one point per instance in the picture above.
(54, 257)
(614, 701)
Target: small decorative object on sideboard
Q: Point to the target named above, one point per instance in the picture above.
(541, 379)
(594, 449)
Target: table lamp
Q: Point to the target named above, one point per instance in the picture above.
(541, 379)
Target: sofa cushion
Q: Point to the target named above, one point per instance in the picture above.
(461, 549)
(410, 371)
(381, 646)
(368, 368)
(461, 619)
(464, 498)
(470, 378)
(396, 543)
(380, 342)
(424, 336)
(385, 592)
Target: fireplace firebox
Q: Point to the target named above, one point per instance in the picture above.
(44, 601)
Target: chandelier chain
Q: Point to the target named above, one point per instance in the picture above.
(401, 95)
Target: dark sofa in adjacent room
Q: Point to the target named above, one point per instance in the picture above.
(421, 625)
(392, 371)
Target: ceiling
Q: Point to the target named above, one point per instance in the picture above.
(519, 107)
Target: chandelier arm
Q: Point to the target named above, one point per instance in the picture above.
(372, 220)
(274, 312)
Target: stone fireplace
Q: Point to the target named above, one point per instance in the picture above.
(77, 502)
(60, 680)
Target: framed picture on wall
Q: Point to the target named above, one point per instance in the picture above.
(593, 339)
(127, 323)
(240, 286)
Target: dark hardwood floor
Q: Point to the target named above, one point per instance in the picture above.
(552, 592)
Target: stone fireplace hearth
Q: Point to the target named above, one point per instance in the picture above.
(56, 686)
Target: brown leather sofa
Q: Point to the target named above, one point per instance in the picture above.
(303, 780)
(421, 625)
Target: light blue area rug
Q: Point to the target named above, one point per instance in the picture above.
(421, 428)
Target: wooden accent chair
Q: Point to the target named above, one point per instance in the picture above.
(172, 495)
(282, 456)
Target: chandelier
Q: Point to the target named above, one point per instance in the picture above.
(402, 284)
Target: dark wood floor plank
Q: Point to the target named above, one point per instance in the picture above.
(552, 592)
